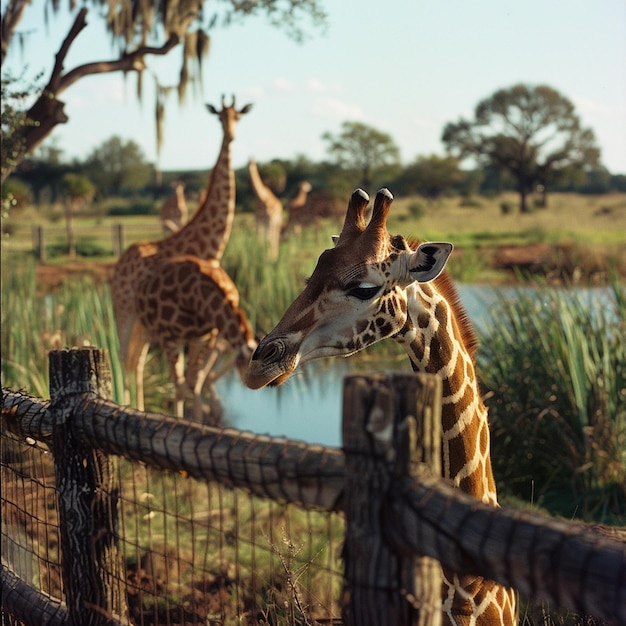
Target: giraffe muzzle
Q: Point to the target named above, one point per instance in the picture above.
(269, 364)
(269, 352)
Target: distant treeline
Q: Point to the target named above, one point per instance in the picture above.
(41, 181)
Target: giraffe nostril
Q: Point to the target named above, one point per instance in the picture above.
(269, 352)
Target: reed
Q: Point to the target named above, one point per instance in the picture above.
(268, 287)
(78, 313)
(554, 365)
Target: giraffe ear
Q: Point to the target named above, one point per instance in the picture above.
(428, 261)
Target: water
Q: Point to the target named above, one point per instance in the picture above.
(308, 406)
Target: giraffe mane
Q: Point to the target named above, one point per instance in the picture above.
(446, 286)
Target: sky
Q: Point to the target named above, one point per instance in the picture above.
(405, 68)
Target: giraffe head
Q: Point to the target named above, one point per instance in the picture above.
(229, 116)
(356, 296)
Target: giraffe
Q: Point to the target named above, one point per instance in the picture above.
(296, 207)
(317, 205)
(192, 302)
(269, 213)
(174, 213)
(373, 285)
(204, 236)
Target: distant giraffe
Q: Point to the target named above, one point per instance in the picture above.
(308, 208)
(205, 236)
(174, 212)
(192, 303)
(373, 285)
(269, 213)
(296, 206)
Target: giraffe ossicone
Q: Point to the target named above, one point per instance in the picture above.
(370, 286)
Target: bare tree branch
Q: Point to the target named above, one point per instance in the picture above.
(48, 111)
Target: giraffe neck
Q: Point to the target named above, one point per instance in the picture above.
(435, 341)
(206, 234)
(258, 186)
(244, 336)
(300, 199)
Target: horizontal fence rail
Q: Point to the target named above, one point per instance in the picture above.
(567, 564)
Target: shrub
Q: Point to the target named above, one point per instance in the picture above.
(132, 208)
(507, 207)
(470, 202)
(417, 209)
(85, 247)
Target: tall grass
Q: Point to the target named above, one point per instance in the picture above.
(78, 313)
(554, 365)
(268, 287)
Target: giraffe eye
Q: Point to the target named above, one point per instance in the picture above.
(363, 291)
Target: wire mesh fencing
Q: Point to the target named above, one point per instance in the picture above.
(193, 551)
(29, 512)
(199, 553)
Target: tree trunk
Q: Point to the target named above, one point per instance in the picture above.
(69, 228)
(523, 202)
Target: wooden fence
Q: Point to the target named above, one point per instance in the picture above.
(121, 236)
(398, 514)
(120, 233)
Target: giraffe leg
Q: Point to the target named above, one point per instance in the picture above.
(134, 362)
(139, 372)
(175, 357)
(202, 358)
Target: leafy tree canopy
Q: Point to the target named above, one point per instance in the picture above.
(364, 149)
(76, 187)
(531, 132)
(430, 176)
(117, 166)
(138, 30)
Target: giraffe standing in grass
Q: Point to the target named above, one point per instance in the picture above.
(269, 213)
(296, 208)
(373, 285)
(193, 303)
(205, 236)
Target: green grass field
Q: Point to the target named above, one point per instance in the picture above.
(595, 221)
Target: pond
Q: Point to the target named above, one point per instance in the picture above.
(308, 406)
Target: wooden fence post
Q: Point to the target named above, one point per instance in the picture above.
(117, 235)
(390, 423)
(88, 488)
(39, 244)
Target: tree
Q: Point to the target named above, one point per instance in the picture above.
(12, 120)
(364, 149)
(138, 30)
(117, 166)
(43, 172)
(531, 132)
(430, 176)
(77, 190)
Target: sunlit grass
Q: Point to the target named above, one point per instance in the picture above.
(554, 366)
(78, 313)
